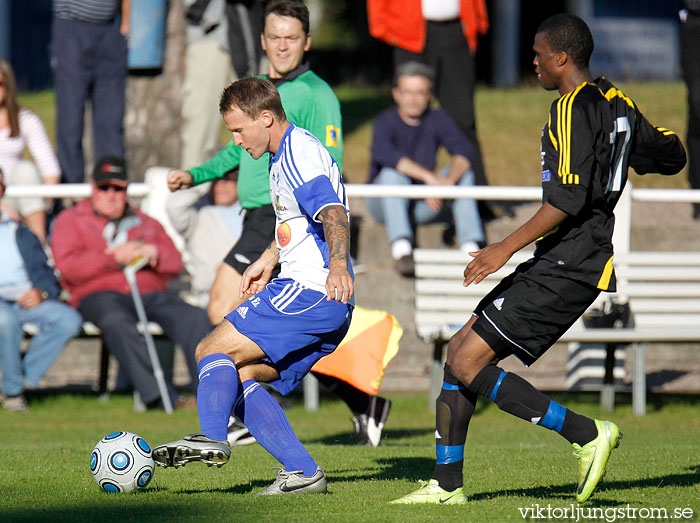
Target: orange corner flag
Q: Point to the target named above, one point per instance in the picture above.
(368, 347)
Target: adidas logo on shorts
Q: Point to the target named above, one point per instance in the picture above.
(242, 311)
(498, 303)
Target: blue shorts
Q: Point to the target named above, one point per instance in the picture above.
(294, 326)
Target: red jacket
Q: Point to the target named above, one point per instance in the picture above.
(79, 252)
(400, 22)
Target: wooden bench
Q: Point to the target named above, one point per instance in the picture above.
(90, 331)
(663, 289)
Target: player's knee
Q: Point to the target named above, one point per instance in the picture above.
(204, 348)
(467, 360)
(247, 372)
(464, 370)
(214, 312)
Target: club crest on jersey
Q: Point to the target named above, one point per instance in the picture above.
(498, 303)
(332, 136)
(255, 301)
(546, 175)
(284, 234)
(242, 311)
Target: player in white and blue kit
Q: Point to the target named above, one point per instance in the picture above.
(290, 322)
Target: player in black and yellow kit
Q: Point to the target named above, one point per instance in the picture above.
(594, 133)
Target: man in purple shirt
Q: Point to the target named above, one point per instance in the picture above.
(405, 143)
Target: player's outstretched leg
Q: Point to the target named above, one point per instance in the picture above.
(270, 427)
(216, 393)
(453, 411)
(592, 440)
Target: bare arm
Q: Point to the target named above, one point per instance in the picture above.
(125, 26)
(415, 170)
(259, 273)
(492, 257)
(336, 229)
(458, 166)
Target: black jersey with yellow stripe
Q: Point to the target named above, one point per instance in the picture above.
(593, 135)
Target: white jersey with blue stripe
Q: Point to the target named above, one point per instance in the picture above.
(304, 179)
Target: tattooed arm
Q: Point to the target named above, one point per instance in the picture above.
(258, 273)
(336, 229)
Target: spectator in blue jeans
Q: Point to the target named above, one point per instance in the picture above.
(405, 144)
(28, 292)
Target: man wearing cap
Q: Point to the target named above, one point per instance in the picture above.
(92, 243)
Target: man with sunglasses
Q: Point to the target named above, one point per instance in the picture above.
(92, 243)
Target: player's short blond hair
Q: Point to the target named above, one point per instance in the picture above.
(252, 95)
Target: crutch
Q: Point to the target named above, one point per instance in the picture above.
(130, 274)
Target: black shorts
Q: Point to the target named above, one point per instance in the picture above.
(527, 312)
(257, 235)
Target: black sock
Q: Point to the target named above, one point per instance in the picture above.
(516, 396)
(357, 400)
(453, 410)
(578, 429)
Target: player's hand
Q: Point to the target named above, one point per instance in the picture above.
(486, 261)
(339, 284)
(30, 299)
(255, 278)
(179, 180)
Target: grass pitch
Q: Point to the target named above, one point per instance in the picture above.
(510, 465)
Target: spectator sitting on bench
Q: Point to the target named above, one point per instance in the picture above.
(210, 218)
(405, 143)
(28, 291)
(92, 242)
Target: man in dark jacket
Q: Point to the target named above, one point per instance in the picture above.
(28, 292)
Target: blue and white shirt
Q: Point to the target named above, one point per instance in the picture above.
(304, 179)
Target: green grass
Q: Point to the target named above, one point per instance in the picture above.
(509, 123)
(44, 471)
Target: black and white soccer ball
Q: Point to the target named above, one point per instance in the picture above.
(122, 462)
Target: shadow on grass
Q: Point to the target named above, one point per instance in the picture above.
(388, 436)
(566, 491)
(148, 511)
(243, 488)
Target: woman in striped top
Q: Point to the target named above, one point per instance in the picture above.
(20, 128)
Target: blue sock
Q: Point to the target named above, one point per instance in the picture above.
(267, 423)
(216, 393)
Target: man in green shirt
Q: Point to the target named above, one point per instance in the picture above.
(310, 103)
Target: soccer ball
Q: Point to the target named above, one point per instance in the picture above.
(122, 462)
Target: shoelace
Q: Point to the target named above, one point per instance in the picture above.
(284, 474)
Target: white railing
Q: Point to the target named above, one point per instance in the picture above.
(154, 191)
